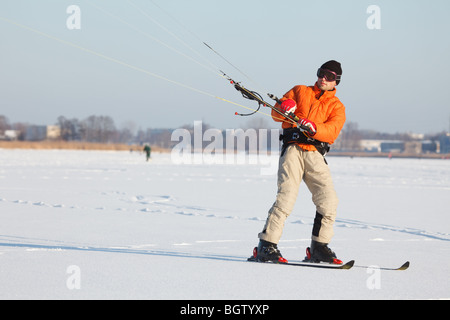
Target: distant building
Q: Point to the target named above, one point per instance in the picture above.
(413, 147)
(431, 147)
(53, 132)
(40, 133)
(444, 143)
(393, 146)
(410, 147)
(10, 135)
(369, 145)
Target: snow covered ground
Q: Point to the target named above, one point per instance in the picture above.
(108, 225)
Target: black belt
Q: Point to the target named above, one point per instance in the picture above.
(294, 135)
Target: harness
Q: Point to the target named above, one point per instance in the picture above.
(295, 135)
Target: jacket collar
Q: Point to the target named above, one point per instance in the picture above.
(323, 94)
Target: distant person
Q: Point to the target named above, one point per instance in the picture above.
(147, 151)
(302, 159)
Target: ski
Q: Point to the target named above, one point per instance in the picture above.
(345, 266)
(403, 267)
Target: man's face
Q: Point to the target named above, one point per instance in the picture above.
(325, 85)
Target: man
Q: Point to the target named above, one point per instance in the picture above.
(323, 115)
(147, 151)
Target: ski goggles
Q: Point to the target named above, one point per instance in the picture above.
(328, 75)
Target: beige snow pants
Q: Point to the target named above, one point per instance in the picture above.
(310, 166)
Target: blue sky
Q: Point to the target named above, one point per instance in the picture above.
(393, 77)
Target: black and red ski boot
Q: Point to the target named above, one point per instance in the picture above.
(319, 252)
(267, 252)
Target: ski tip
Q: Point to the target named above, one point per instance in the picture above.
(404, 266)
(348, 265)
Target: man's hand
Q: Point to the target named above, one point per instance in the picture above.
(312, 129)
(288, 106)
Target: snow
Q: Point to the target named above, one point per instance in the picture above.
(109, 225)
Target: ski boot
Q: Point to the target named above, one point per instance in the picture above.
(267, 252)
(319, 252)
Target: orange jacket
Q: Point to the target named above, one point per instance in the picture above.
(321, 107)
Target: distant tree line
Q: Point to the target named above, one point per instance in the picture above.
(102, 129)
